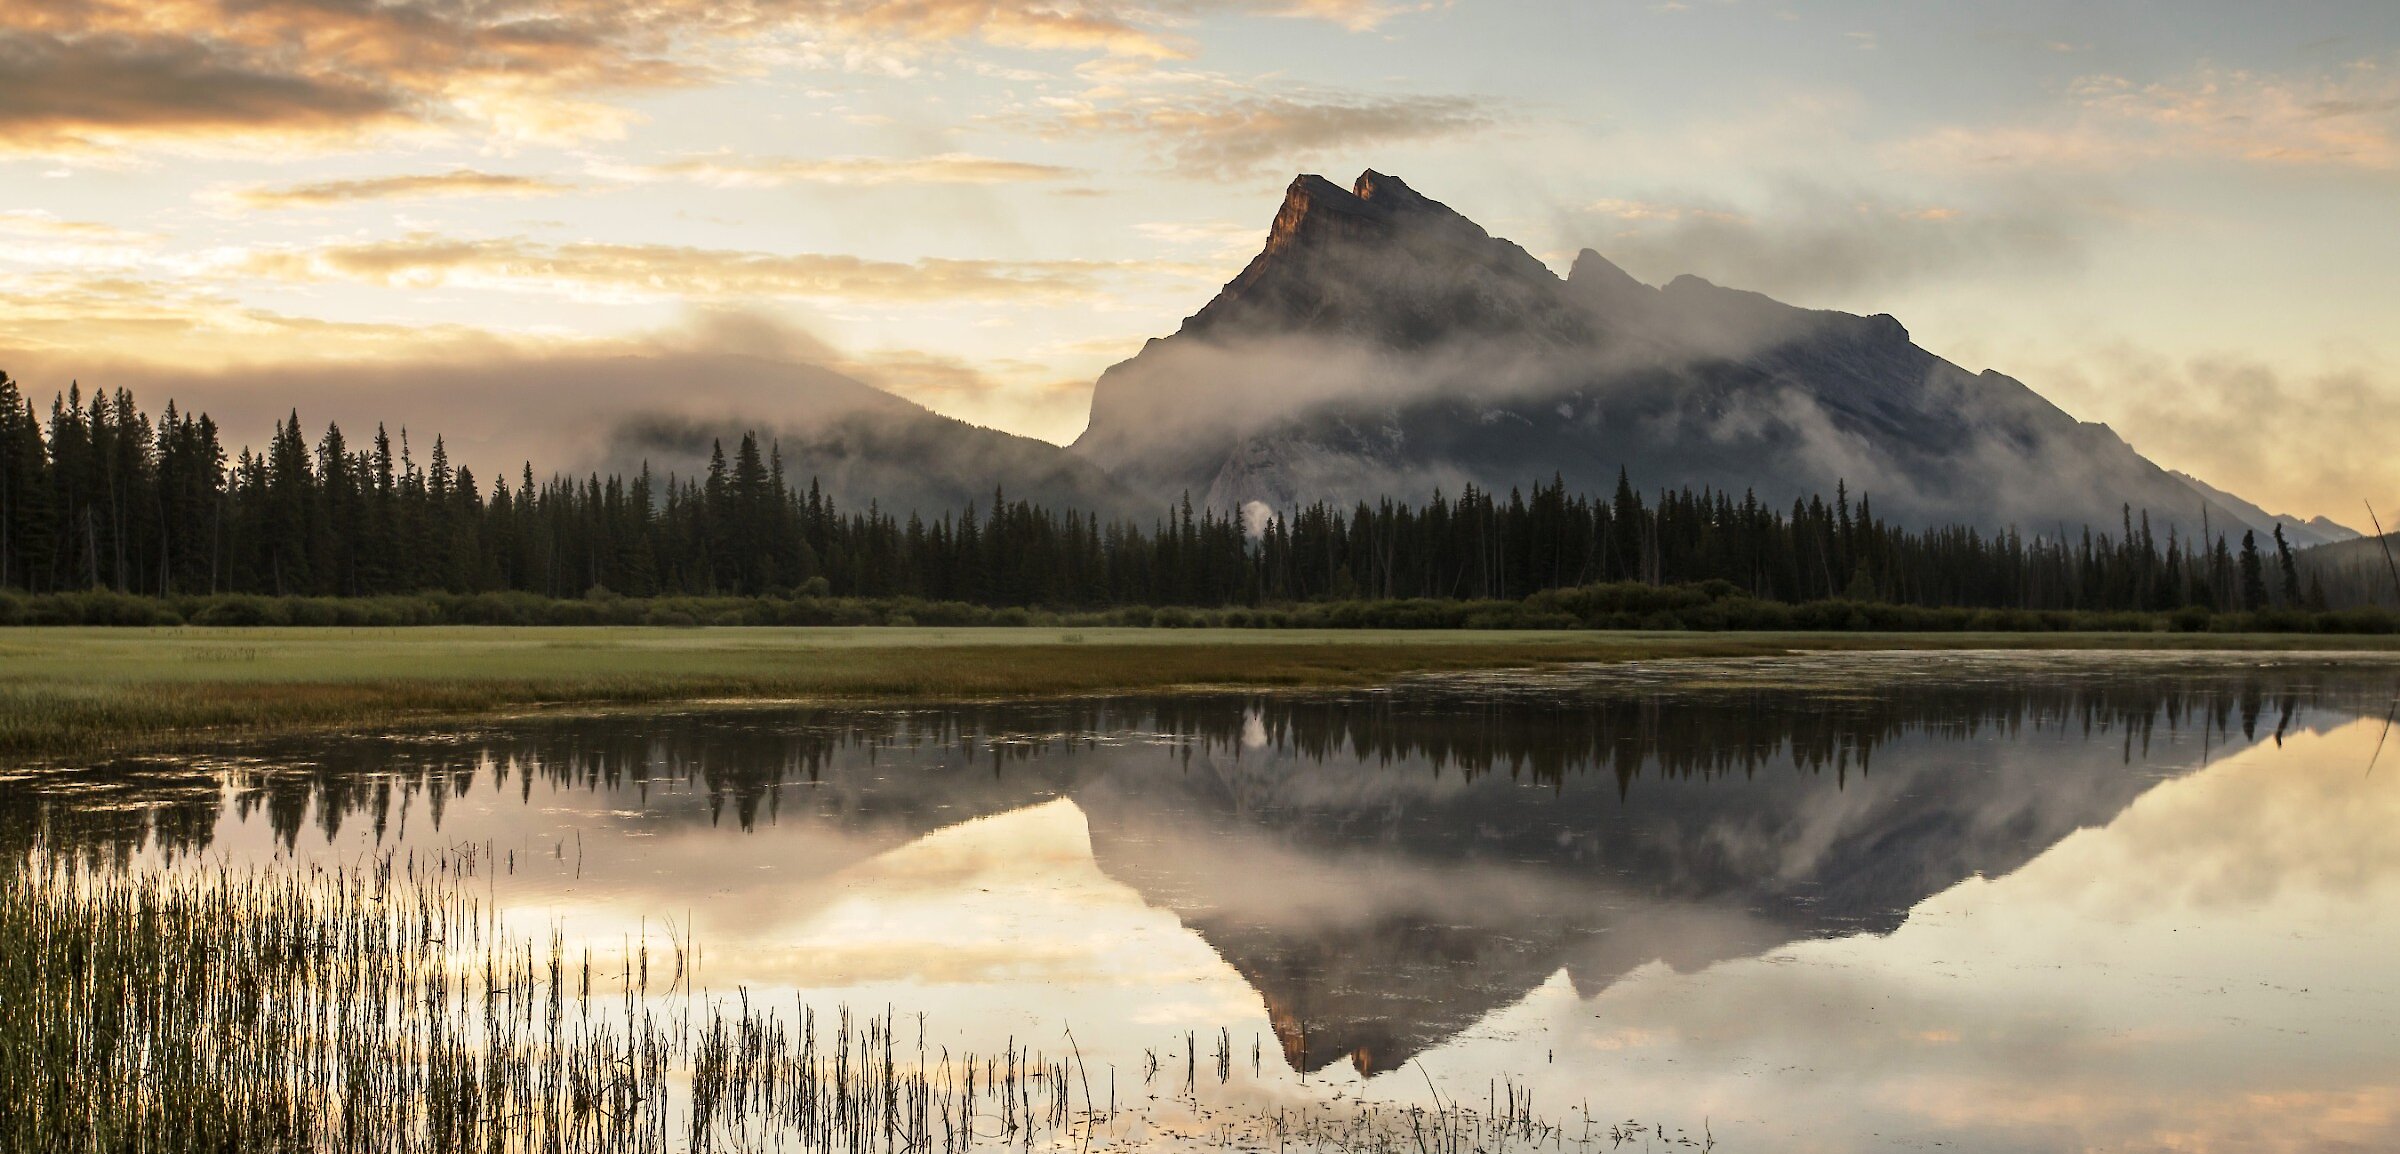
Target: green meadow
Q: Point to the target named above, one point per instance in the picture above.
(74, 692)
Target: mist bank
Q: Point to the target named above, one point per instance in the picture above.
(503, 411)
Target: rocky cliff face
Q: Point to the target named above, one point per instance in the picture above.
(1387, 264)
(1381, 344)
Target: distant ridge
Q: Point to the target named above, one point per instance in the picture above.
(2301, 534)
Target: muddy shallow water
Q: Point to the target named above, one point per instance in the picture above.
(1990, 902)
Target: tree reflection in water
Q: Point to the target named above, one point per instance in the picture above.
(1384, 868)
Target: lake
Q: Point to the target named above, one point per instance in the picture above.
(1978, 902)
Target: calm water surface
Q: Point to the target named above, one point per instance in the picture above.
(1978, 902)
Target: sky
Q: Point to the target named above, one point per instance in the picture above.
(2182, 219)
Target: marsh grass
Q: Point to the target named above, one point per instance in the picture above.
(388, 1008)
(77, 692)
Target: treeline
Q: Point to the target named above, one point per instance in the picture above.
(101, 496)
(1709, 605)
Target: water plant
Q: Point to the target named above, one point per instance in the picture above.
(386, 1007)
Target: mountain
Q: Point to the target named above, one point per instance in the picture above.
(2356, 572)
(2301, 534)
(1382, 344)
(582, 413)
(858, 443)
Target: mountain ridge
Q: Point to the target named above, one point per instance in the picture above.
(2301, 534)
(861, 445)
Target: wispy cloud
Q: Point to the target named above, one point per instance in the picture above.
(101, 75)
(30, 222)
(1356, 15)
(2314, 439)
(1814, 241)
(772, 172)
(1225, 240)
(1222, 130)
(1651, 211)
(2345, 118)
(37, 242)
(1032, 399)
(66, 323)
(61, 93)
(416, 186)
(646, 271)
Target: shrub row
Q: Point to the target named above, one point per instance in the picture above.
(1713, 606)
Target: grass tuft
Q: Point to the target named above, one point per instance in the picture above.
(385, 1007)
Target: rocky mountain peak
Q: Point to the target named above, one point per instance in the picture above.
(1314, 207)
(1379, 258)
(1394, 196)
(1389, 191)
(1593, 270)
(1376, 208)
(1609, 290)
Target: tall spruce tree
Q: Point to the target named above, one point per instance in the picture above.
(2254, 574)
(2289, 568)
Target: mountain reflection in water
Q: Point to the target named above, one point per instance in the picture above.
(1385, 869)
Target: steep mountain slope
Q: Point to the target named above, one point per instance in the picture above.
(1381, 344)
(580, 414)
(2359, 571)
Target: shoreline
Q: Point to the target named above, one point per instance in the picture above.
(88, 692)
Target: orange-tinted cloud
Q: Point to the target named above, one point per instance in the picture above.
(87, 75)
(60, 325)
(649, 270)
(2349, 118)
(1229, 132)
(772, 172)
(101, 74)
(66, 94)
(1357, 15)
(35, 223)
(1023, 397)
(413, 186)
(2309, 440)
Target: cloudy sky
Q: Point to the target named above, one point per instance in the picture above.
(2179, 218)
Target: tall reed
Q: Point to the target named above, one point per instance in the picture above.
(387, 1008)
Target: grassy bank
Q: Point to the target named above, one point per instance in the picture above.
(77, 692)
(1708, 606)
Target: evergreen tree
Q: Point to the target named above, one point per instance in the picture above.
(2289, 568)
(2254, 576)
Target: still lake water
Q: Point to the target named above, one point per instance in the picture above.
(1897, 901)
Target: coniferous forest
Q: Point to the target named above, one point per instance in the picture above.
(100, 495)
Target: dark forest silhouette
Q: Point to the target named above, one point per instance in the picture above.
(102, 496)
